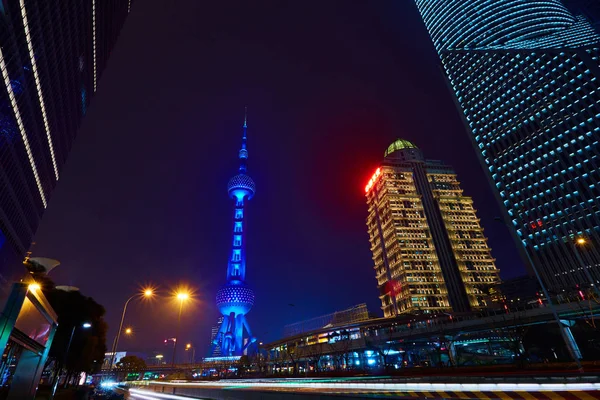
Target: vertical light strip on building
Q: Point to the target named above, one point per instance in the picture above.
(94, 38)
(15, 107)
(129, 6)
(38, 86)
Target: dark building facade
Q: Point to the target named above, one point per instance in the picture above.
(526, 77)
(429, 251)
(52, 55)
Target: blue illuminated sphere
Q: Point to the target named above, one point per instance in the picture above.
(241, 186)
(237, 299)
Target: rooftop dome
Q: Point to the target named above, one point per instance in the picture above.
(399, 144)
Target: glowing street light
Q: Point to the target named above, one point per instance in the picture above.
(583, 241)
(193, 349)
(128, 331)
(145, 293)
(182, 296)
(86, 325)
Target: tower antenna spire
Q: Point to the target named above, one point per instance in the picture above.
(243, 151)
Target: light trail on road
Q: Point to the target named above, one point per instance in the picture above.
(148, 395)
(412, 387)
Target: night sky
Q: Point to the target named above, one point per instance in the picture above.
(328, 85)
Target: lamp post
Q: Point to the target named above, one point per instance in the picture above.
(181, 296)
(85, 325)
(189, 347)
(147, 293)
(581, 241)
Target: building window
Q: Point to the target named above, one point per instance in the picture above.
(239, 213)
(236, 255)
(237, 240)
(237, 227)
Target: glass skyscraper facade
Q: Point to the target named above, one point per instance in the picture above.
(429, 251)
(525, 75)
(52, 55)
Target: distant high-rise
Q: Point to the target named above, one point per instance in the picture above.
(429, 250)
(52, 54)
(216, 349)
(526, 76)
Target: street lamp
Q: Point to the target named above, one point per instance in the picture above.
(85, 325)
(193, 349)
(128, 331)
(582, 241)
(159, 358)
(182, 297)
(146, 293)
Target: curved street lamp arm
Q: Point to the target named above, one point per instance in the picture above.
(116, 341)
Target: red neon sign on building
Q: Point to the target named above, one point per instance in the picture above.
(373, 180)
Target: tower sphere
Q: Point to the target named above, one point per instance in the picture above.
(240, 186)
(235, 298)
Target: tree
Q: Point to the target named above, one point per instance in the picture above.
(384, 345)
(88, 346)
(290, 352)
(243, 365)
(131, 364)
(314, 353)
(340, 343)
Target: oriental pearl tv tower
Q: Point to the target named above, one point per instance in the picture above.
(235, 298)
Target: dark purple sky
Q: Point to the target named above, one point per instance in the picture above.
(328, 86)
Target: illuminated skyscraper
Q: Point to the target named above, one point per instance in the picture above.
(429, 250)
(526, 76)
(52, 54)
(235, 298)
(214, 332)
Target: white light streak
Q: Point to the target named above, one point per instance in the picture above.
(94, 38)
(38, 85)
(15, 107)
(148, 395)
(415, 387)
(129, 6)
